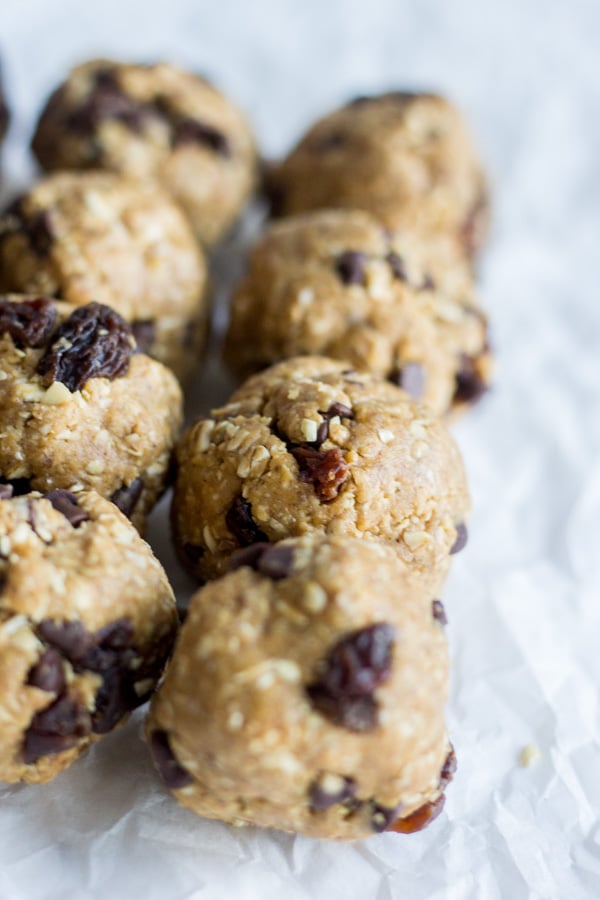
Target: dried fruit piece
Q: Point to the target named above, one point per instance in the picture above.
(241, 524)
(94, 342)
(327, 469)
(420, 818)
(30, 323)
(173, 774)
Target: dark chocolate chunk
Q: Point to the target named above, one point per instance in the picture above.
(71, 639)
(94, 342)
(191, 131)
(384, 816)
(173, 775)
(30, 323)
(462, 536)
(108, 100)
(321, 799)
(397, 266)
(67, 504)
(241, 524)
(326, 469)
(438, 612)
(58, 727)
(470, 386)
(18, 486)
(448, 769)
(247, 556)
(336, 409)
(411, 378)
(48, 674)
(351, 267)
(420, 818)
(126, 497)
(353, 669)
(144, 333)
(276, 562)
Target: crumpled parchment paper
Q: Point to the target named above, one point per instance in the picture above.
(523, 599)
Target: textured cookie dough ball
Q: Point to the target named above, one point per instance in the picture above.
(80, 408)
(405, 157)
(336, 283)
(100, 237)
(311, 445)
(307, 693)
(87, 619)
(154, 122)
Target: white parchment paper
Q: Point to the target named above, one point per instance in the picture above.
(523, 599)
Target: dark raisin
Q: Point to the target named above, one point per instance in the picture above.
(30, 323)
(384, 816)
(126, 497)
(173, 775)
(351, 672)
(462, 535)
(321, 798)
(448, 770)
(351, 267)
(420, 818)
(411, 378)
(470, 386)
(438, 612)
(336, 409)
(326, 469)
(241, 524)
(48, 674)
(191, 131)
(94, 342)
(397, 266)
(56, 728)
(67, 504)
(144, 333)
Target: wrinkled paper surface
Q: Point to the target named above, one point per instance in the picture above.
(522, 600)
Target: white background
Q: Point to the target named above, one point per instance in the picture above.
(523, 599)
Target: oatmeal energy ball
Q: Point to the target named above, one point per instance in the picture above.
(336, 283)
(310, 445)
(307, 691)
(154, 122)
(405, 157)
(96, 236)
(87, 619)
(80, 408)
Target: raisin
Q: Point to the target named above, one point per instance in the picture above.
(94, 342)
(438, 612)
(420, 818)
(67, 504)
(241, 524)
(58, 727)
(48, 674)
(30, 323)
(336, 409)
(331, 790)
(173, 775)
(327, 469)
(191, 131)
(126, 497)
(470, 386)
(411, 378)
(353, 669)
(351, 267)
(462, 536)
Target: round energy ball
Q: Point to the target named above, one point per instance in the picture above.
(154, 122)
(93, 236)
(87, 619)
(306, 692)
(336, 283)
(405, 157)
(312, 445)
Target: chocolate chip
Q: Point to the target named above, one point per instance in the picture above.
(420, 818)
(6, 491)
(144, 333)
(69, 637)
(470, 386)
(462, 536)
(108, 100)
(397, 266)
(57, 728)
(383, 816)
(276, 561)
(353, 669)
(241, 524)
(438, 612)
(94, 342)
(326, 469)
(191, 131)
(448, 770)
(336, 409)
(411, 378)
(247, 556)
(18, 486)
(351, 267)
(329, 791)
(173, 775)
(126, 497)
(48, 674)
(67, 504)
(30, 323)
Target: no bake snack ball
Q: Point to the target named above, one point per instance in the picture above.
(154, 122)
(80, 408)
(405, 157)
(337, 283)
(87, 619)
(100, 237)
(311, 445)
(306, 692)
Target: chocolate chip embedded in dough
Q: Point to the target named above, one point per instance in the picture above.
(330, 789)
(462, 536)
(48, 674)
(350, 266)
(126, 497)
(57, 728)
(66, 503)
(172, 773)
(438, 612)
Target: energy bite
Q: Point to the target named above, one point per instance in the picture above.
(93, 236)
(405, 157)
(80, 408)
(87, 619)
(154, 122)
(306, 692)
(336, 283)
(312, 445)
